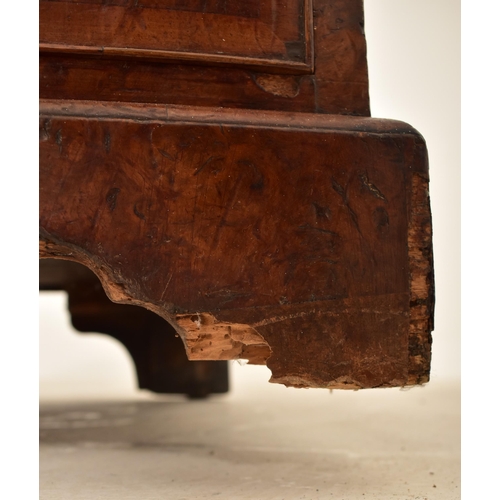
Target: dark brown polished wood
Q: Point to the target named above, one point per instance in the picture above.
(224, 186)
(323, 70)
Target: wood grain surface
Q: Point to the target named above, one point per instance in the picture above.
(304, 55)
(298, 240)
(263, 32)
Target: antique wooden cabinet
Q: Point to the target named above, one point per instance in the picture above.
(214, 162)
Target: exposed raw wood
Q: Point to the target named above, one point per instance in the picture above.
(207, 338)
(421, 282)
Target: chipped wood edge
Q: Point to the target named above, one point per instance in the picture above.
(208, 338)
(241, 341)
(421, 281)
(205, 338)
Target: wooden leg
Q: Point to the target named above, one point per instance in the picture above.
(294, 240)
(158, 353)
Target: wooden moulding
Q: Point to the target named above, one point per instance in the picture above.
(296, 240)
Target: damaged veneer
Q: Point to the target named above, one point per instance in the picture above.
(208, 339)
(294, 240)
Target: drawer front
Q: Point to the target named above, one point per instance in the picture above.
(267, 33)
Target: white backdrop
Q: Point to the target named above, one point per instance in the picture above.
(414, 70)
